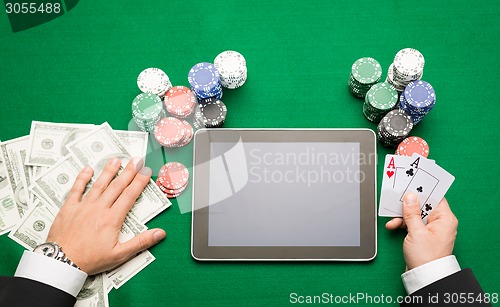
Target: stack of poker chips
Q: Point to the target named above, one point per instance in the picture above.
(147, 110)
(411, 145)
(180, 101)
(173, 132)
(365, 73)
(417, 100)
(232, 68)
(210, 113)
(408, 66)
(173, 179)
(154, 80)
(204, 80)
(394, 128)
(380, 99)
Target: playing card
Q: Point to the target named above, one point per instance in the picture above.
(429, 182)
(416, 174)
(395, 179)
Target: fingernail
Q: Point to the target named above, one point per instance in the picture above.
(159, 235)
(146, 171)
(138, 163)
(410, 199)
(87, 169)
(114, 162)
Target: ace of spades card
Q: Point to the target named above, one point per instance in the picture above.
(429, 182)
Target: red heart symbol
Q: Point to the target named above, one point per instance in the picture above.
(390, 173)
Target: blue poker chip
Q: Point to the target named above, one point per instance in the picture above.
(204, 77)
(412, 108)
(416, 114)
(204, 80)
(420, 94)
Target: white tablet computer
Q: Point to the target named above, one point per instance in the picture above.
(284, 194)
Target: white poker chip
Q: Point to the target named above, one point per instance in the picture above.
(232, 69)
(154, 80)
(408, 65)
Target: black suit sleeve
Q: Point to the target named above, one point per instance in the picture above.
(460, 282)
(23, 292)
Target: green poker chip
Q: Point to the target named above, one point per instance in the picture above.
(147, 110)
(382, 96)
(366, 71)
(380, 99)
(147, 107)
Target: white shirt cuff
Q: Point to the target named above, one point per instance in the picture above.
(52, 272)
(430, 272)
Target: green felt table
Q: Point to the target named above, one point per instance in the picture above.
(82, 67)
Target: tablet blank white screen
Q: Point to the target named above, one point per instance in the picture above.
(284, 194)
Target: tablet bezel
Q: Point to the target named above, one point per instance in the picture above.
(200, 250)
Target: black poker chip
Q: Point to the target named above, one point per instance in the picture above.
(210, 113)
(394, 128)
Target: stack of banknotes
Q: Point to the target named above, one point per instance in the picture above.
(37, 172)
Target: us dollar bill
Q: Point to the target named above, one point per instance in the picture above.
(36, 171)
(55, 184)
(120, 275)
(8, 151)
(136, 142)
(9, 215)
(93, 293)
(100, 145)
(34, 227)
(24, 175)
(47, 141)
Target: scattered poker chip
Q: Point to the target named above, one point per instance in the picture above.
(210, 113)
(173, 176)
(180, 101)
(394, 127)
(169, 131)
(379, 100)
(418, 99)
(188, 136)
(390, 79)
(147, 110)
(365, 73)
(408, 65)
(170, 191)
(204, 80)
(232, 68)
(420, 94)
(411, 145)
(170, 196)
(154, 80)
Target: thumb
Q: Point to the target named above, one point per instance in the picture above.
(142, 241)
(411, 212)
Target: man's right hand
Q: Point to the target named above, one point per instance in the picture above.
(425, 243)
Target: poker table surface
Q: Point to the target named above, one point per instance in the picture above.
(81, 67)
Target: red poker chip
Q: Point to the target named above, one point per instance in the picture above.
(180, 101)
(170, 196)
(170, 191)
(188, 136)
(411, 145)
(169, 131)
(173, 176)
